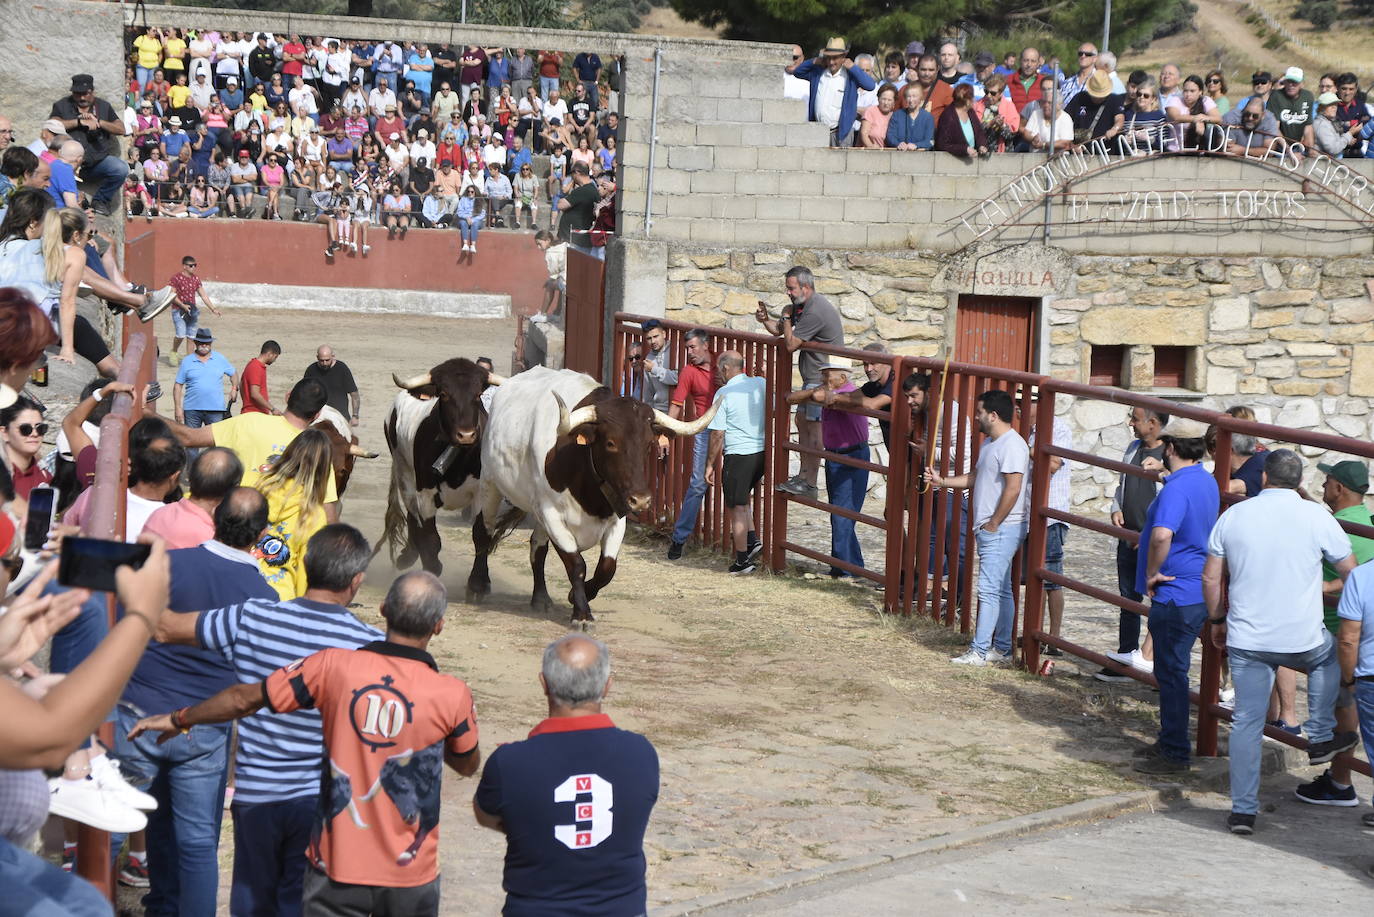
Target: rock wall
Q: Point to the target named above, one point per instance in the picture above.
(1293, 338)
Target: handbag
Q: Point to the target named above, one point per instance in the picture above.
(1082, 135)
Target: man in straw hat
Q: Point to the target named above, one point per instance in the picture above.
(835, 84)
(1096, 110)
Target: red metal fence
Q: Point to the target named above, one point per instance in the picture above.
(920, 522)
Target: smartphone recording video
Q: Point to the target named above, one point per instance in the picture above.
(90, 563)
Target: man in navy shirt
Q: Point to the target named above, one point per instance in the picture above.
(587, 66)
(574, 798)
(1173, 551)
(183, 839)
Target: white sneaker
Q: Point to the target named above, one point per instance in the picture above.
(996, 658)
(474, 248)
(1227, 696)
(1123, 658)
(970, 658)
(1139, 662)
(108, 777)
(83, 801)
(465, 246)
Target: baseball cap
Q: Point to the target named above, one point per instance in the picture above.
(984, 59)
(915, 48)
(1327, 98)
(243, 154)
(1293, 75)
(54, 126)
(1183, 428)
(394, 136)
(1261, 76)
(83, 82)
(1354, 475)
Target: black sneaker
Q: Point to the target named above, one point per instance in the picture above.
(753, 551)
(747, 566)
(1112, 675)
(675, 551)
(1322, 752)
(1324, 792)
(1159, 765)
(1238, 823)
(1047, 650)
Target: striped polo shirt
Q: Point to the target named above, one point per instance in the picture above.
(279, 756)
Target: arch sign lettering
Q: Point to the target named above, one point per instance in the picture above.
(1273, 189)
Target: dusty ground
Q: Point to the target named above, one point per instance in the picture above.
(795, 724)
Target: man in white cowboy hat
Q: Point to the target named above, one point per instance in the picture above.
(835, 84)
(1294, 107)
(844, 433)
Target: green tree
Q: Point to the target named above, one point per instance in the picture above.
(885, 24)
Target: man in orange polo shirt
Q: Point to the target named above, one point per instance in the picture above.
(391, 721)
(695, 382)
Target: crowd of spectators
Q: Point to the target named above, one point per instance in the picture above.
(345, 133)
(1025, 104)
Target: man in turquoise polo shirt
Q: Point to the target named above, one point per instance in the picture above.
(198, 394)
(737, 429)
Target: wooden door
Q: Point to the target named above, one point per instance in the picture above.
(584, 314)
(996, 331)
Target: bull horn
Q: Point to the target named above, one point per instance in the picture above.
(685, 427)
(493, 379)
(413, 383)
(567, 422)
(359, 452)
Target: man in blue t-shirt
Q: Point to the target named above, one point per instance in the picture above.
(198, 394)
(1173, 551)
(183, 840)
(573, 799)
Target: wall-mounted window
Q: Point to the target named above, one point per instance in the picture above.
(1106, 364)
(1171, 367)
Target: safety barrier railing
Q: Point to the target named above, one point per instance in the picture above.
(106, 519)
(924, 571)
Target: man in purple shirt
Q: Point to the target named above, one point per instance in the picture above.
(340, 151)
(846, 434)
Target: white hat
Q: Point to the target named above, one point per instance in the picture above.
(174, 121)
(422, 132)
(55, 127)
(395, 137)
(841, 364)
(1293, 74)
(232, 79)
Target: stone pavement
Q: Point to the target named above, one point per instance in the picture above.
(1173, 858)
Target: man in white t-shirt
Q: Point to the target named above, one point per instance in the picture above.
(793, 87)
(423, 147)
(1268, 551)
(154, 472)
(999, 522)
(1036, 120)
(380, 98)
(302, 95)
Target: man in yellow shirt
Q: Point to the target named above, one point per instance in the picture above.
(260, 439)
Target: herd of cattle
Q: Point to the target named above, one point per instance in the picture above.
(556, 447)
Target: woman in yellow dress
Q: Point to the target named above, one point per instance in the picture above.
(295, 489)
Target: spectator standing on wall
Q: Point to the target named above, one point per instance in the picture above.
(1173, 551)
(1343, 492)
(695, 381)
(999, 519)
(1130, 503)
(659, 377)
(550, 71)
(809, 317)
(93, 123)
(587, 67)
(835, 84)
(340, 390)
(253, 382)
(737, 430)
(556, 262)
(522, 73)
(575, 758)
(1269, 551)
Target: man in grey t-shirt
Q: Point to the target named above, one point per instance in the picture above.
(999, 520)
(810, 318)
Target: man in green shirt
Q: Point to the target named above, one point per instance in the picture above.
(1343, 492)
(1294, 108)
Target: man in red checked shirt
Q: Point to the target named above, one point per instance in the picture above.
(697, 382)
(391, 722)
(185, 312)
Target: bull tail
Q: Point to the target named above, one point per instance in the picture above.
(506, 522)
(396, 532)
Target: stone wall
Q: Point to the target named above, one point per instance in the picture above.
(1293, 338)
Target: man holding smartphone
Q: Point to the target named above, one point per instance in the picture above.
(810, 318)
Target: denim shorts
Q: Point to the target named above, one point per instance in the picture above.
(810, 409)
(186, 323)
(1055, 535)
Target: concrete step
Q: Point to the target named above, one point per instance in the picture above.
(350, 299)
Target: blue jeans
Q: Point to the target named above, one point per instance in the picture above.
(942, 564)
(1364, 703)
(187, 777)
(1175, 629)
(590, 86)
(33, 887)
(269, 857)
(73, 643)
(468, 228)
(696, 489)
(1128, 625)
(1252, 673)
(996, 604)
(110, 172)
(144, 75)
(846, 487)
(546, 85)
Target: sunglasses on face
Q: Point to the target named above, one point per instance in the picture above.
(1145, 95)
(1213, 81)
(1087, 54)
(28, 429)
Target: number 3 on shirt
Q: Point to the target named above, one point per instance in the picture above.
(592, 799)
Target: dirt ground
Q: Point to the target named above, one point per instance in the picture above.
(795, 724)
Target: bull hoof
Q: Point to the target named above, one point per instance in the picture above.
(476, 594)
(406, 558)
